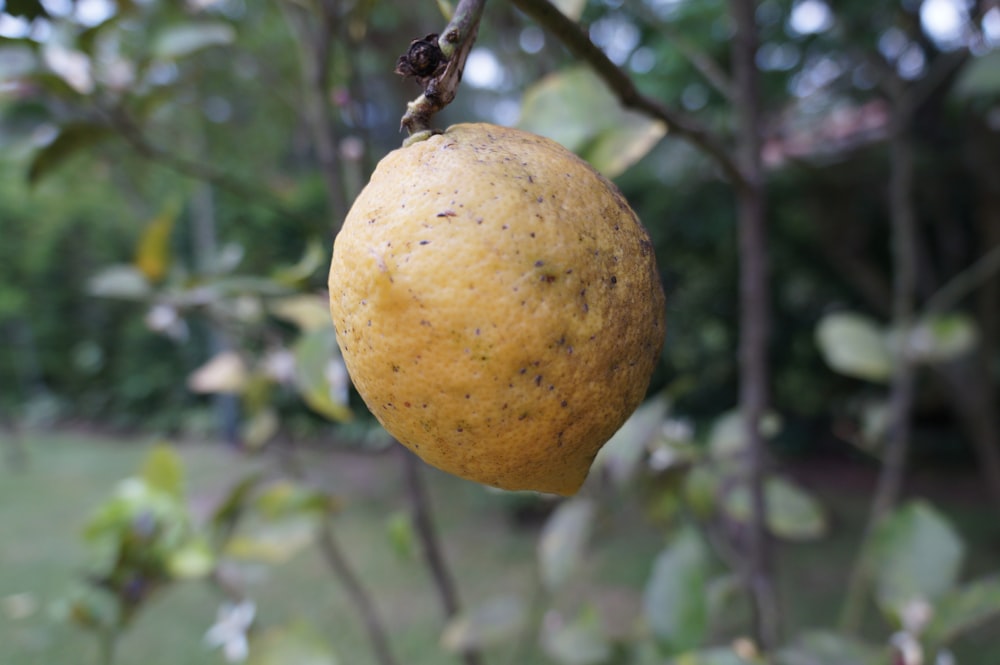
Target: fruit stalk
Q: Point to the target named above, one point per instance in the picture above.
(437, 63)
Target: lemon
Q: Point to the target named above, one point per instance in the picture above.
(497, 305)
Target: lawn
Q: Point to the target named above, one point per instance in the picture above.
(42, 557)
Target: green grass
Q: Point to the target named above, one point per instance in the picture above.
(42, 558)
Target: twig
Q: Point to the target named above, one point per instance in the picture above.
(334, 558)
(902, 218)
(579, 44)
(423, 523)
(965, 282)
(754, 318)
(437, 64)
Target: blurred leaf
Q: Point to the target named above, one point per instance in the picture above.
(562, 541)
(675, 600)
(29, 9)
(192, 560)
(307, 312)
(234, 503)
(981, 77)
(123, 282)
(271, 542)
(791, 512)
(283, 499)
(494, 622)
(963, 609)
(571, 8)
(447, 9)
(224, 373)
(916, 555)
(575, 108)
(181, 40)
(257, 430)
(621, 456)
(727, 437)
(320, 375)
(943, 337)
(295, 644)
(701, 490)
(164, 471)
(855, 346)
(70, 140)
(17, 60)
(152, 254)
(399, 529)
(18, 121)
(314, 257)
(714, 656)
(578, 643)
(828, 648)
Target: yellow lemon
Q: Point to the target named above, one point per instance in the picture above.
(497, 305)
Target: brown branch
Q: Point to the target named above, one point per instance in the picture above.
(754, 317)
(579, 44)
(423, 523)
(437, 63)
(334, 558)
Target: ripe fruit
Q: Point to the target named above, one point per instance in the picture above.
(497, 305)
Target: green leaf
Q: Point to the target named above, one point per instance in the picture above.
(295, 644)
(675, 599)
(227, 514)
(29, 9)
(580, 642)
(271, 542)
(308, 312)
(963, 609)
(192, 560)
(182, 40)
(314, 257)
(261, 427)
(727, 437)
(70, 140)
(283, 499)
(620, 457)
(121, 282)
(494, 622)
(916, 555)
(855, 346)
(791, 512)
(320, 375)
(399, 529)
(943, 337)
(562, 541)
(163, 470)
(225, 372)
(828, 648)
(575, 108)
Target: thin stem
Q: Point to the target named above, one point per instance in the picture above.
(423, 522)
(965, 282)
(579, 44)
(335, 559)
(754, 318)
(902, 218)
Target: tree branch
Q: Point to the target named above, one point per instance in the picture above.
(754, 316)
(335, 559)
(423, 523)
(579, 44)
